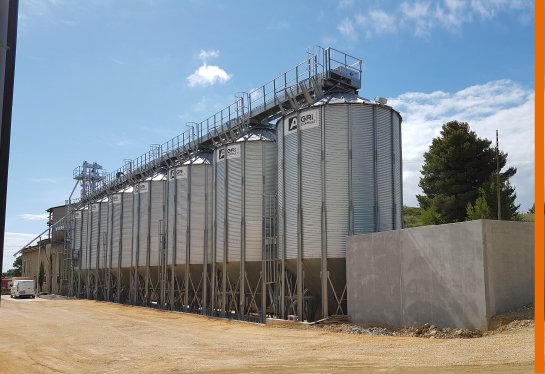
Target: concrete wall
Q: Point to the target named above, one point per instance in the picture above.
(509, 253)
(455, 275)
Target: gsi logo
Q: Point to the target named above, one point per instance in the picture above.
(221, 154)
(172, 174)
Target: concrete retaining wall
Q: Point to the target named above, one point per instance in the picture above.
(455, 275)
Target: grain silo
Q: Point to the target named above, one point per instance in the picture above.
(119, 241)
(148, 238)
(80, 249)
(245, 172)
(98, 216)
(339, 174)
(189, 233)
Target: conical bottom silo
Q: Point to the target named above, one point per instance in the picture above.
(339, 173)
(97, 226)
(80, 251)
(147, 242)
(245, 172)
(189, 228)
(118, 258)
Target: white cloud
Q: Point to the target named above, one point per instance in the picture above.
(504, 105)
(422, 16)
(377, 21)
(489, 8)
(346, 28)
(205, 55)
(34, 217)
(453, 14)
(13, 241)
(418, 13)
(207, 75)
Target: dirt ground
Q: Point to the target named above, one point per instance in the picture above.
(81, 336)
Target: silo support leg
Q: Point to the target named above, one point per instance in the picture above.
(252, 302)
(339, 300)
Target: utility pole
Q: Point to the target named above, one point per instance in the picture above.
(498, 190)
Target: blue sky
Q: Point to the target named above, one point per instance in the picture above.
(102, 80)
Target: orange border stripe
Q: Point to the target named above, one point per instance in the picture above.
(539, 187)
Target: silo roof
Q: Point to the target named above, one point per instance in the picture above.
(204, 158)
(341, 98)
(258, 133)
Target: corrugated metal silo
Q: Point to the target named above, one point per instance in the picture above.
(118, 259)
(245, 171)
(189, 228)
(339, 173)
(98, 215)
(148, 216)
(81, 245)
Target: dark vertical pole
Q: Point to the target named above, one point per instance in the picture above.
(498, 188)
(8, 42)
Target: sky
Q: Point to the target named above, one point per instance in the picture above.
(101, 80)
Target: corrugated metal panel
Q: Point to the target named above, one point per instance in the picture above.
(219, 209)
(290, 193)
(197, 218)
(94, 234)
(234, 207)
(311, 190)
(103, 236)
(157, 216)
(144, 224)
(109, 243)
(363, 160)
(336, 179)
(137, 227)
(269, 176)
(115, 206)
(209, 176)
(171, 215)
(127, 229)
(182, 190)
(280, 188)
(397, 172)
(384, 169)
(364, 139)
(84, 239)
(257, 154)
(77, 235)
(254, 199)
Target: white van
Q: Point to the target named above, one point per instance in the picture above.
(22, 288)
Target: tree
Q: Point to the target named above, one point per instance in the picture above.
(480, 210)
(17, 269)
(41, 276)
(431, 216)
(412, 216)
(508, 208)
(456, 166)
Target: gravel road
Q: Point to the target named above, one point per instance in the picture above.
(81, 336)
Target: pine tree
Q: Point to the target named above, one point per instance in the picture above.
(480, 210)
(41, 276)
(456, 166)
